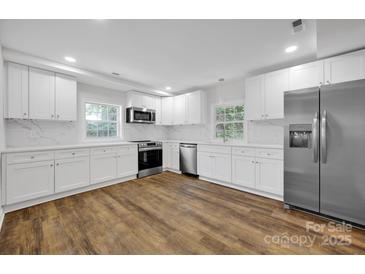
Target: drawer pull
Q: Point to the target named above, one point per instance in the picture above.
(73, 153)
(51, 165)
(31, 157)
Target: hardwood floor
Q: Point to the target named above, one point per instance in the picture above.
(168, 214)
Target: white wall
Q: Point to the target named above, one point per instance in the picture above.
(228, 92)
(39, 133)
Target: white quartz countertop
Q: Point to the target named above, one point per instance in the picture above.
(121, 143)
(225, 144)
(58, 147)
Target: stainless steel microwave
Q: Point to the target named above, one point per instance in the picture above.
(140, 115)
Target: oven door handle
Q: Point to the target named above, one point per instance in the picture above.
(150, 148)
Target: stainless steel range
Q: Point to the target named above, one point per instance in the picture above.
(149, 157)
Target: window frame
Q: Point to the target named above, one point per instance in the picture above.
(101, 138)
(214, 120)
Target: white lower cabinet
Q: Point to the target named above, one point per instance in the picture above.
(103, 168)
(171, 156)
(29, 180)
(72, 173)
(213, 164)
(127, 162)
(244, 171)
(269, 174)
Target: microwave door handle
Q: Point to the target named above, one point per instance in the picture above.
(324, 137)
(315, 138)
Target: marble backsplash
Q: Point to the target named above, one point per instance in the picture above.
(39, 133)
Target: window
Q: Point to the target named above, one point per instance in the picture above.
(102, 120)
(229, 120)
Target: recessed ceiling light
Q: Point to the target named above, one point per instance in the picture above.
(70, 59)
(168, 88)
(291, 49)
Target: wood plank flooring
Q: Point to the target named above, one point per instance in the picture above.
(168, 214)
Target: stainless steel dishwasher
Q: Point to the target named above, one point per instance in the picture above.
(188, 158)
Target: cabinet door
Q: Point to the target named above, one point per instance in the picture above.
(222, 167)
(205, 164)
(72, 173)
(175, 156)
(127, 164)
(275, 84)
(29, 180)
(134, 99)
(194, 108)
(345, 68)
(103, 168)
(254, 101)
(149, 102)
(158, 111)
(179, 111)
(66, 98)
(243, 171)
(17, 91)
(166, 155)
(270, 176)
(167, 106)
(41, 94)
(306, 76)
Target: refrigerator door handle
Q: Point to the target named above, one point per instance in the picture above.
(315, 138)
(324, 137)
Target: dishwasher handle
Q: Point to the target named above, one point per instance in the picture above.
(188, 145)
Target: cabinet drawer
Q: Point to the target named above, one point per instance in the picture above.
(14, 158)
(244, 151)
(64, 154)
(214, 149)
(127, 149)
(103, 150)
(270, 153)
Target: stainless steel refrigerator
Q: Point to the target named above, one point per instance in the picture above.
(324, 150)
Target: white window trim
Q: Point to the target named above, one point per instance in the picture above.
(214, 122)
(100, 139)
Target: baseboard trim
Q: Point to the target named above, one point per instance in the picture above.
(245, 189)
(172, 170)
(13, 207)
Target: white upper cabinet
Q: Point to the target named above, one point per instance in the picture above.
(158, 111)
(306, 76)
(275, 84)
(141, 100)
(66, 98)
(167, 104)
(345, 68)
(179, 110)
(254, 106)
(195, 107)
(265, 95)
(185, 109)
(17, 91)
(41, 94)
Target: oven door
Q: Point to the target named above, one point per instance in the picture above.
(149, 157)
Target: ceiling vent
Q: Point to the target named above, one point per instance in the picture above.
(298, 26)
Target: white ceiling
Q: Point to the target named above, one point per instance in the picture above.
(338, 36)
(183, 54)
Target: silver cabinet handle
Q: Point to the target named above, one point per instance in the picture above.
(315, 138)
(57, 164)
(51, 165)
(324, 137)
